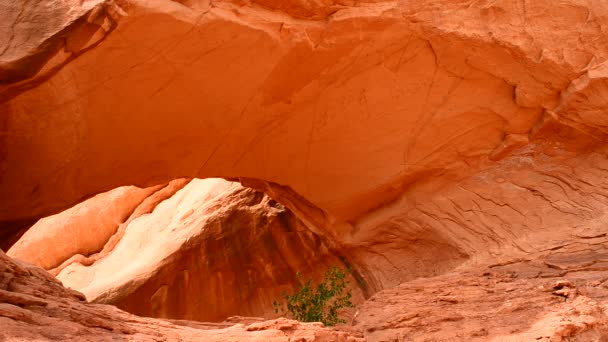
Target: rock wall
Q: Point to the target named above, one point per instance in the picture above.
(414, 139)
(346, 103)
(208, 250)
(242, 248)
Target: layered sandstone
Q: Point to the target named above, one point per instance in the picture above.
(427, 142)
(208, 250)
(518, 230)
(339, 110)
(557, 293)
(555, 290)
(346, 103)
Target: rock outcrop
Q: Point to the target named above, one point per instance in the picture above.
(209, 250)
(81, 230)
(34, 306)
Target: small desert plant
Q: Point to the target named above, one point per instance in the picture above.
(320, 304)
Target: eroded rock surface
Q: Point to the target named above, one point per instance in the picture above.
(83, 229)
(558, 293)
(529, 237)
(534, 228)
(208, 250)
(34, 306)
(346, 103)
(355, 115)
(417, 138)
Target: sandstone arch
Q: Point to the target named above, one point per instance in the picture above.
(348, 110)
(398, 129)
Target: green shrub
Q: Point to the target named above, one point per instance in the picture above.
(320, 304)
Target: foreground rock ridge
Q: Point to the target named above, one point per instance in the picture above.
(35, 307)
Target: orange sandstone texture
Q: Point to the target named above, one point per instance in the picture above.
(346, 103)
(211, 250)
(556, 294)
(431, 138)
(531, 232)
(546, 285)
(347, 116)
(83, 229)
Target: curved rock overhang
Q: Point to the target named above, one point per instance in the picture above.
(350, 105)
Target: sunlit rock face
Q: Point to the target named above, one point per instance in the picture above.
(193, 249)
(81, 230)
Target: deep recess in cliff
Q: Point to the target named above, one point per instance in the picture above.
(426, 143)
